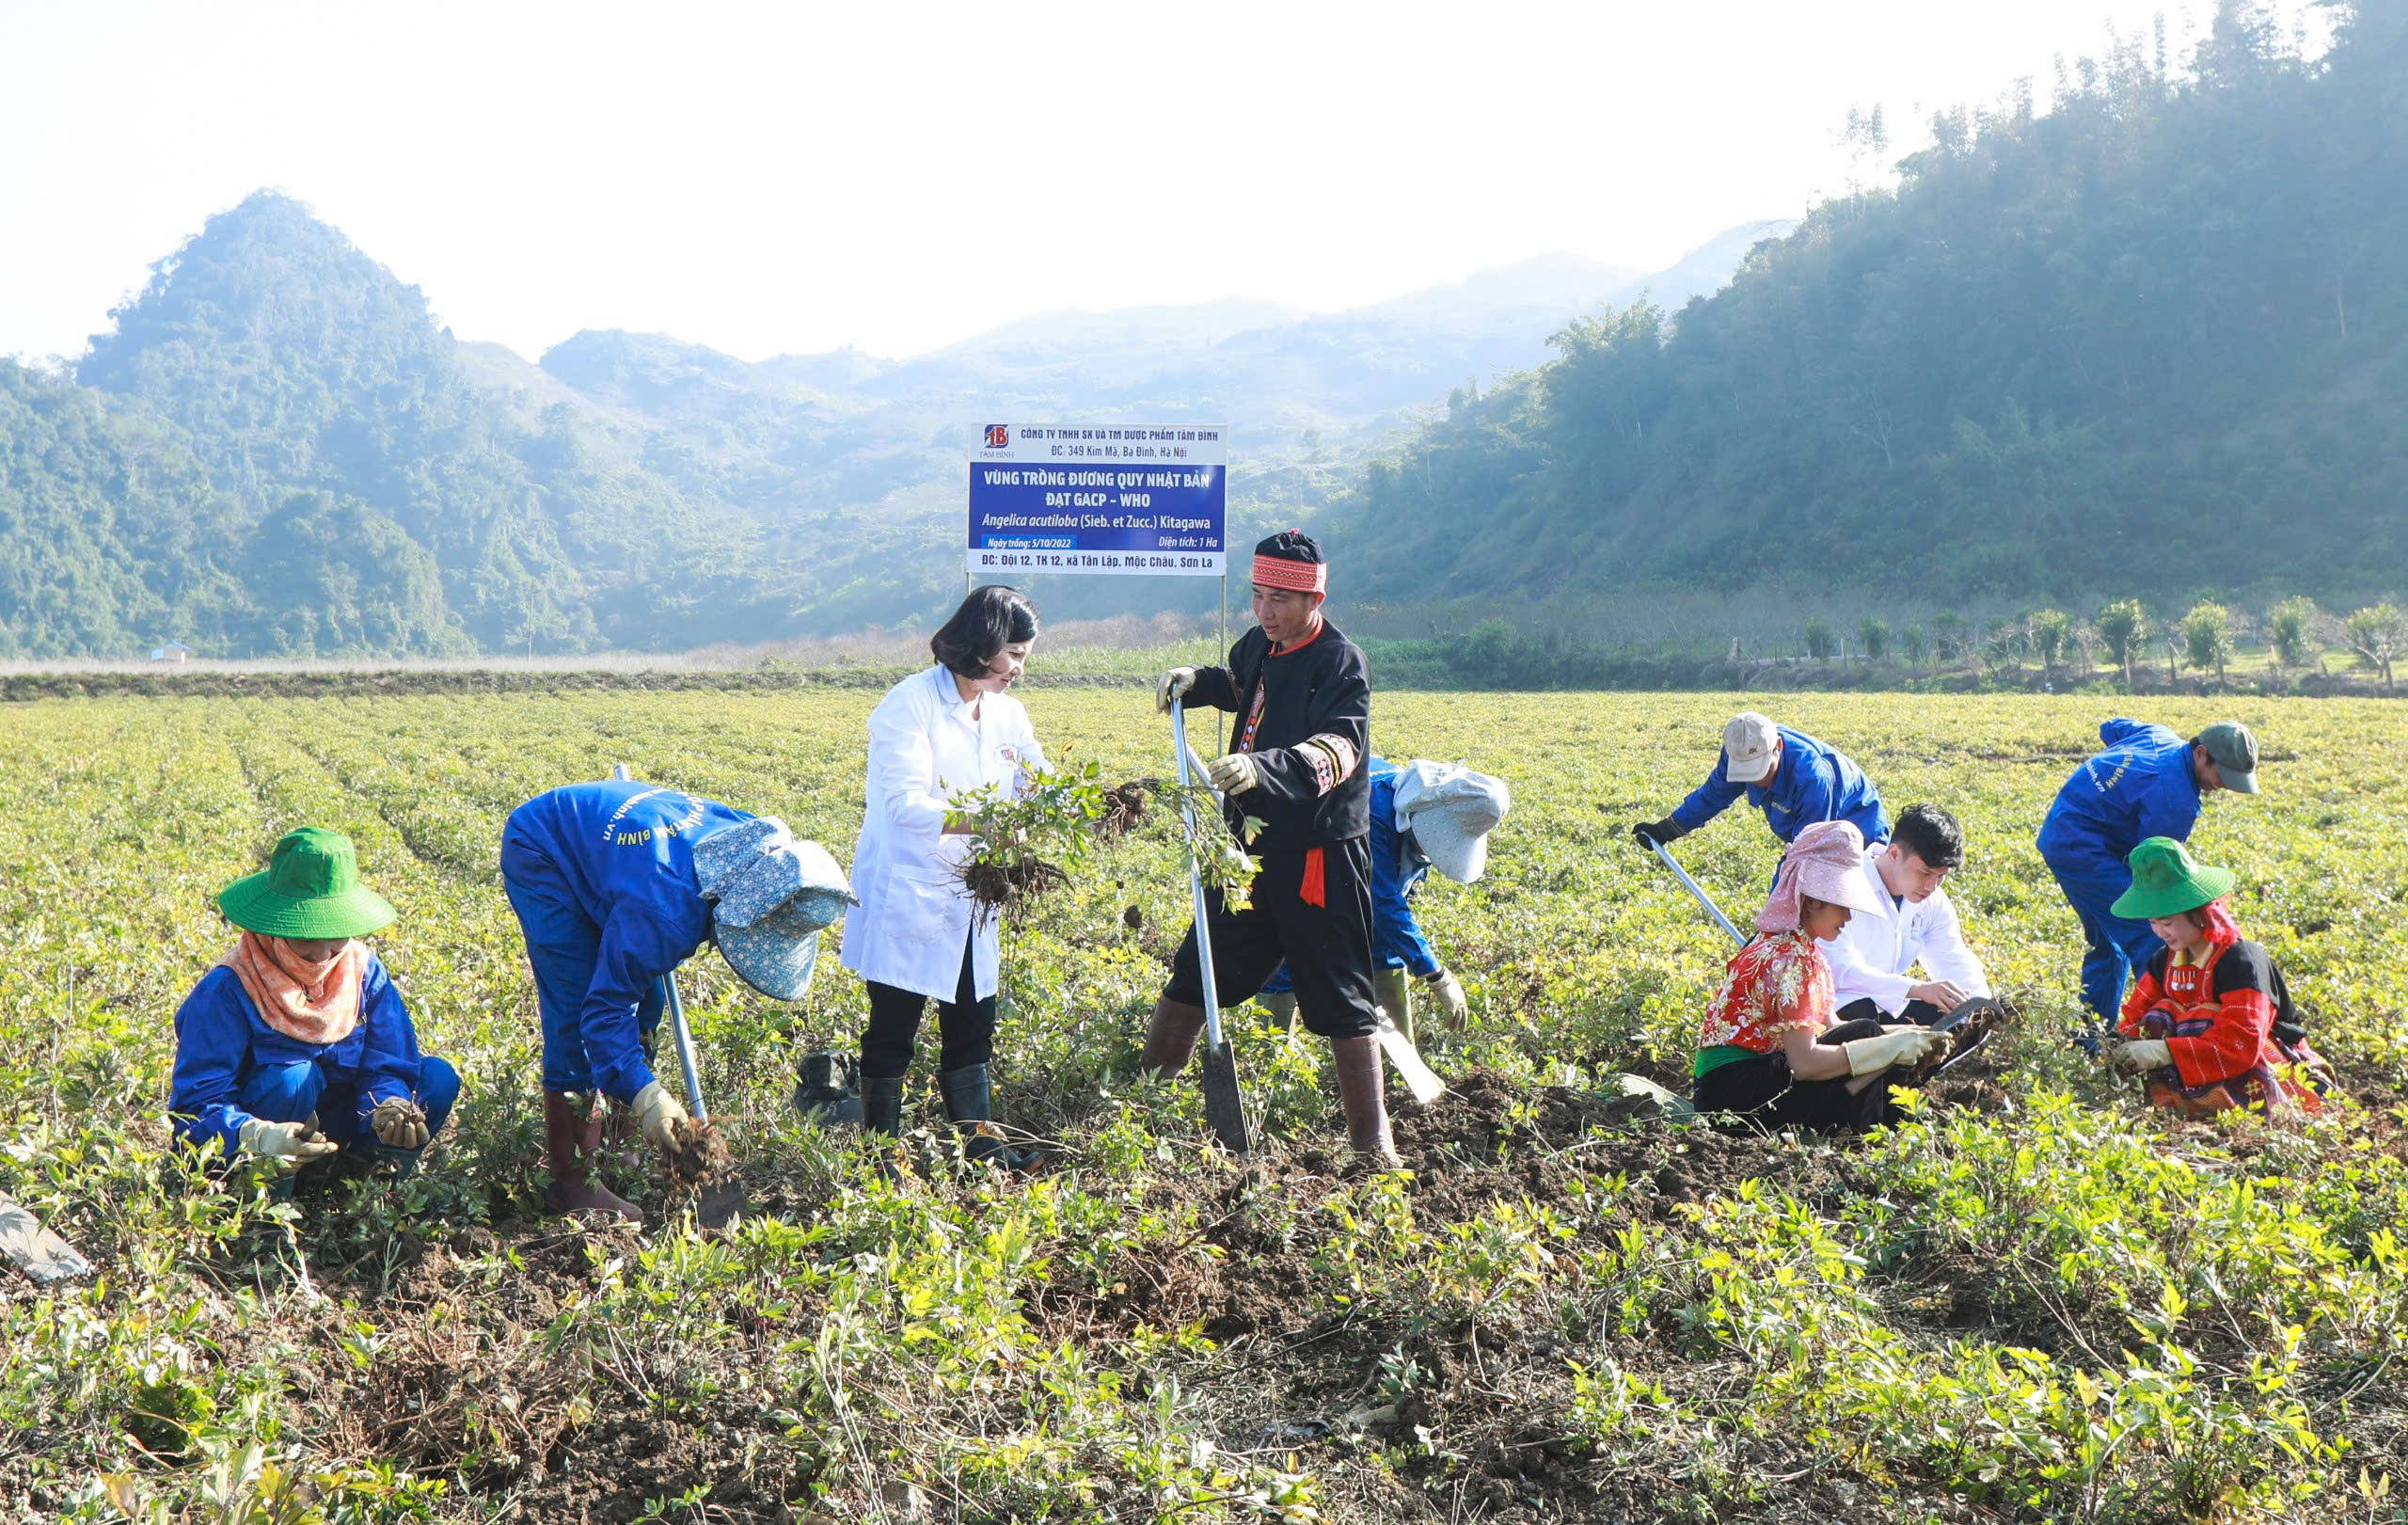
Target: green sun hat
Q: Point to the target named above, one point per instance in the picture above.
(2167, 880)
(311, 888)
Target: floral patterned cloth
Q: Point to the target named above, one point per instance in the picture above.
(1777, 983)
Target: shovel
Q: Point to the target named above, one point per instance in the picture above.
(1419, 1078)
(1223, 1102)
(719, 1192)
(1702, 899)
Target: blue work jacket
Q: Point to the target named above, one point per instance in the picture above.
(2141, 787)
(221, 1043)
(1813, 783)
(625, 849)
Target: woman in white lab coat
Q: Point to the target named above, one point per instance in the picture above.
(938, 734)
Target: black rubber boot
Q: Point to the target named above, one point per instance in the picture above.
(882, 1104)
(968, 1101)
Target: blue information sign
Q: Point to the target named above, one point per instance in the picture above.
(1136, 497)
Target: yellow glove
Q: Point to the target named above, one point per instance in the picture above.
(1448, 992)
(1233, 775)
(399, 1123)
(655, 1112)
(2141, 1054)
(1172, 686)
(1909, 1046)
(287, 1146)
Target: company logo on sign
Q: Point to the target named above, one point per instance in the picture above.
(999, 437)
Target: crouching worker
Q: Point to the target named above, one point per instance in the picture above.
(1424, 816)
(1302, 694)
(2210, 1024)
(616, 884)
(295, 1045)
(1772, 1051)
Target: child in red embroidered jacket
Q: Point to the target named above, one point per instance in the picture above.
(2210, 1024)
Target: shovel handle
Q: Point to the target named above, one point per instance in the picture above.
(678, 1032)
(1702, 899)
(1195, 876)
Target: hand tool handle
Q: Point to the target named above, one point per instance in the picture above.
(1195, 878)
(1702, 899)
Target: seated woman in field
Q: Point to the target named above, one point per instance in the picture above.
(2209, 1025)
(296, 1044)
(1773, 1052)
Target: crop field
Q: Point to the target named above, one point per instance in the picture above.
(2036, 1300)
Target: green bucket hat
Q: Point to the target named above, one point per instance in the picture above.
(311, 888)
(2167, 880)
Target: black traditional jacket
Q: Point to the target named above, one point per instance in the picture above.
(1305, 714)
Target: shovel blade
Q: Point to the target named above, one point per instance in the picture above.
(1223, 1102)
(721, 1204)
(1417, 1077)
(44, 1258)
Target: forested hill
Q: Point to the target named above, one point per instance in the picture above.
(2152, 340)
(277, 450)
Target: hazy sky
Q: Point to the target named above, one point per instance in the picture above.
(795, 177)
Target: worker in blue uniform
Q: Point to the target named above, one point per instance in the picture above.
(1423, 815)
(296, 1044)
(2149, 782)
(1793, 779)
(615, 883)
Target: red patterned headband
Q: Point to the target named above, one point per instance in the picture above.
(1296, 576)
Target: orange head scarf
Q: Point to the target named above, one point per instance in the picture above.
(316, 1003)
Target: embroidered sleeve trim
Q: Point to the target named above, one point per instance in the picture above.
(1332, 758)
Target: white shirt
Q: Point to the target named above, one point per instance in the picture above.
(1875, 950)
(925, 747)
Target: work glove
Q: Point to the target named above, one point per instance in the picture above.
(1909, 1046)
(1448, 992)
(287, 1146)
(2141, 1054)
(1233, 775)
(656, 1112)
(1172, 686)
(399, 1123)
(1649, 832)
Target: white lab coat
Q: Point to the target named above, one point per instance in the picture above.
(915, 916)
(1874, 951)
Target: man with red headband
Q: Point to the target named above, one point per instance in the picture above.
(1302, 694)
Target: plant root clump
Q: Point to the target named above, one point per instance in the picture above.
(998, 887)
(1124, 806)
(698, 1155)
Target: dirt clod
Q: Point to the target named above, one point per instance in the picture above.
(698, 1155)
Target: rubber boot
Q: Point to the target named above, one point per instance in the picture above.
(1393, 990)
(1281, 1004)
(571, 1133)
(1362, 1091)
(1170, 1037)
(969, 1102)
(882, 1104)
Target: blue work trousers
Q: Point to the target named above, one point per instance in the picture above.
(564, 946)
(289, 1092)
(2115, 945)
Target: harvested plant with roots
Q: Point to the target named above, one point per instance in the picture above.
(1041, 838)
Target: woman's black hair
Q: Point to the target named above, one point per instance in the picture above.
(991, 618)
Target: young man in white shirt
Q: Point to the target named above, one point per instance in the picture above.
(1872, 956)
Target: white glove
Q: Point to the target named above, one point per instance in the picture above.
(287, 1146)
(1448, 992)
(399, 1123)
(2141, 1054)
(1172, 686)
(654, 1111)
(1909, 1046)
(1233, 775)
